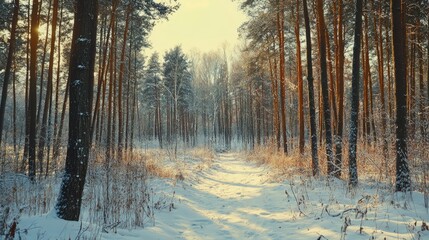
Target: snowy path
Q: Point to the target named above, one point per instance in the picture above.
(235, 199)
(232, 200)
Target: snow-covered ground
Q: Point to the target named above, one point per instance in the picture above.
(237, 199)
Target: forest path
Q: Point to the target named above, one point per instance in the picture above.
(232, 199)
(237, 199)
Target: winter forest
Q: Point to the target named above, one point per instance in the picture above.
(312, 124)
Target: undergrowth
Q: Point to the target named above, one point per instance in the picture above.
(117, 194)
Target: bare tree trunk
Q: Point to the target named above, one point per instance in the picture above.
(313, 130)
(300, 83)
(120, 83)
(82, 63)
(340, 92)
(9, 61)
(324, 82)
(102, 70)
(380, 59)
(42, 69)
(15, 145)
(56, 144)
(403, 181)
(280, 32)
(27, 83)
(32, 95)
(354, 112)
(48, 98)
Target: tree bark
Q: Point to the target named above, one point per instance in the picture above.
(49, 88)
(81, 76)
(403, 181)
(354, 114)
(300, 83)
(9, 61)
(280, 32)
(325, 94)
(32, 95)
(313, 129)
(120, 83)
(340, 92)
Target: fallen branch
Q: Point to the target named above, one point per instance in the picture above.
(341, 214)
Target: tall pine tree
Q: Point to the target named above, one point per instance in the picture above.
(81, 79)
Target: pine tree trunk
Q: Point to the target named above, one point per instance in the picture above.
(55, 146)
(9, 61)
(15, 145)
(120, 83)
(325, 94)
(300, 83)
(42, 69)
(81, 77)
(32, 95)
(102, 70)
(380, 59)
(354, 112)
(313, 130)
(403, 181)
(340, 92)
(280, 32)
(49, 89)
(27, 83)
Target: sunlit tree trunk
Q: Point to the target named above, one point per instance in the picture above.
(378, 34)
(422, 102)
(49, 89)
(101, 83)
(324, 83)
(280, 32)
(120, 83)
(300, 83)
(42, 69)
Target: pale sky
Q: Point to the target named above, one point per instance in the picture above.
(203, 25)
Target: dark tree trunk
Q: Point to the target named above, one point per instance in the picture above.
(354, 115)
(81, 76)
(340, 92)
(32, 95)
(403, 181)
(313, 129)
(56, 141)
(12, 43)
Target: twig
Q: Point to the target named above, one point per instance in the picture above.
(298, 203)
(341, 213)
